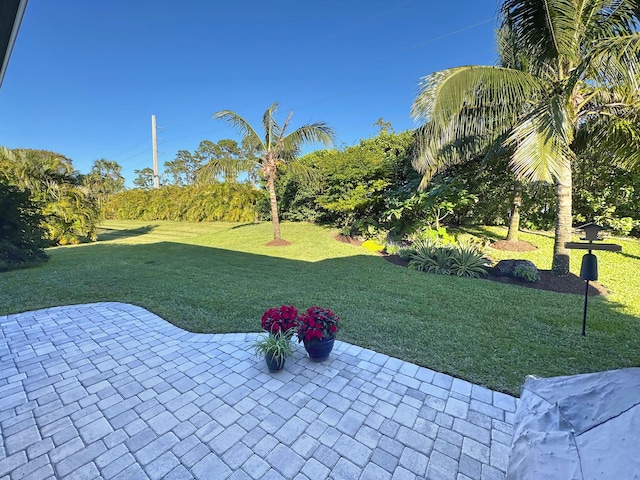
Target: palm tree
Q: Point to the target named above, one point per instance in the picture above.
(104, 179)
(583, 69)
(274, 150)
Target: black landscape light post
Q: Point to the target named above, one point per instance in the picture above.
(589, 267)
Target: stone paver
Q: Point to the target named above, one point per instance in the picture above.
(110, 390)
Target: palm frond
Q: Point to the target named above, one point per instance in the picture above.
(226, 167)
(610, 18)
(318, 132)
(247, 132)
(549, 31)
(616, 138)
(612, 61)
(542, 141)
(466, 110)
(271, 128)
(445, 94)
(305, 174)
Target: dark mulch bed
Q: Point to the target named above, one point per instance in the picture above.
(548, 281)
(517, 246)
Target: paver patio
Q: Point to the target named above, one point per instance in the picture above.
(110, 390)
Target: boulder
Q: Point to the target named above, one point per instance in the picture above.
(504, 268)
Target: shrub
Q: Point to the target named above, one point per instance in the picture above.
(21, 233)
(439, 235)
(372, 245)
(220, 202)
(392, 248)
(525, 272)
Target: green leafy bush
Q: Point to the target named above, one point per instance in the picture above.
(70, 212)
(431, 257)
(21, 233)
(438, 235)
(392, 248)
(528, 273)
(372, 245)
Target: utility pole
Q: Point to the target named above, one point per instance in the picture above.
(156, 176)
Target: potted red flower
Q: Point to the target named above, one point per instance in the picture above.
(317, 329)
(280, 319)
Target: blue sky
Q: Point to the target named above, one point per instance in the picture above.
(86, 76)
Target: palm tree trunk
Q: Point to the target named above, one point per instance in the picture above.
(274, 206)
(514, 218)
(560, 264)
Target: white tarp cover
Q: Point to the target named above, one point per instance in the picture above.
(580, 427)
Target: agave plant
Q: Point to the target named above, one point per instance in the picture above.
(430, 257)
(468, 260)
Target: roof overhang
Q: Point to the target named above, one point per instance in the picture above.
(11, 13)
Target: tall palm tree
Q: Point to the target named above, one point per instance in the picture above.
(583, 69)
(273, 150)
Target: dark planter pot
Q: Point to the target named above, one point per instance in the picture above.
(319, 350)
(274, 364)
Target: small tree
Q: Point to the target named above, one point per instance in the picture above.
(104, 179)
(144, 178)
(272, 151)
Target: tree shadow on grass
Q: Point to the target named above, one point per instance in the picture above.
(105, 234)
(243, 225)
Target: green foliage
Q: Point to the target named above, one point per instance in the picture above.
(437, 235)
(21, 233)
(350, 184)
(431, 259)
(464, 258)
(144, 178)
(229, 202)
(468, 259)
(69, 210)
(528, 273)
(278, 346)
(605, 193)
(103, 180)
(392, 248)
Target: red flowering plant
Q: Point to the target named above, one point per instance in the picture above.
(280, 320)
(317, 323)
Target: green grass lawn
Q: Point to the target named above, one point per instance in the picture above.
(221, 277)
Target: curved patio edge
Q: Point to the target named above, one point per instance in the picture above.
(111, 390)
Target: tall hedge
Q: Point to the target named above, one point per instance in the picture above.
(223, 202)
(21, 232)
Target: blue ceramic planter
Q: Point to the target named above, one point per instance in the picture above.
(319, 350)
